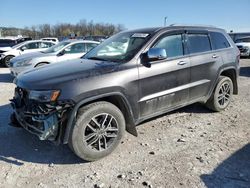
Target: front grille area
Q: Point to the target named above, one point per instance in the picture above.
(41, 119)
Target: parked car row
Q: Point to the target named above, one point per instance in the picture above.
(65, 50)
(244, 46)
(89, 102)
(11, 41)
(25, 47)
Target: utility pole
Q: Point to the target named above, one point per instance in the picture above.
(165, 21)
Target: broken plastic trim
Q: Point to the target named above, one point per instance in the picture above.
(41, 119)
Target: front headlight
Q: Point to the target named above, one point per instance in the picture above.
(246, 48)
(23, 63)
(44, 96)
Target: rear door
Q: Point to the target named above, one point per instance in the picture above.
(204, 63)
(164, 85)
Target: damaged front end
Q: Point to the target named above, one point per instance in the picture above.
(44, 119)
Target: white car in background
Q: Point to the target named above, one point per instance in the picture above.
(244, 46)
(51, 39)
(24, 48)
(65, 50)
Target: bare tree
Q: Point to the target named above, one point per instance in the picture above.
(82, 28)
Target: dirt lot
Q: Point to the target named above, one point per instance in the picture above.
(191, 147)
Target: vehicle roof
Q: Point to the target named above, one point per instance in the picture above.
(13, 37)
(29, 41)
(49, 38)
(173, 27)
(80, 41)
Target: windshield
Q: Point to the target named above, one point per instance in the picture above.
(56, 47)
(120, 48)
(243, 40)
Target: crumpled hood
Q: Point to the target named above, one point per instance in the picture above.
(31, 56)
(51, 76)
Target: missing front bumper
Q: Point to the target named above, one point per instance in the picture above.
(42, 120)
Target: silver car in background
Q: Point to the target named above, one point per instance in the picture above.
(65, 50)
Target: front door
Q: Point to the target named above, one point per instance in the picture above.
(164, 85)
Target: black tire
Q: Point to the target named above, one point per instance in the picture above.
(88, 138)
(222, 95)
(7, 59)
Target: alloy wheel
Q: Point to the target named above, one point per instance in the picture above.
(224, 94)
(101, 132)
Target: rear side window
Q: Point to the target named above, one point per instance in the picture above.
(219, 41)
(90, 46)
(46, 44)
(75, 48)
(172, 44)
(198, 43)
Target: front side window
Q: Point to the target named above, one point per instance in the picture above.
(198, 43)
(75, 48)
(172, 44)
(219, 41)
(119, 48)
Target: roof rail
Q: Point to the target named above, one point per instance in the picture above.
(194, 25)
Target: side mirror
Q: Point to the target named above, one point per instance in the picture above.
(23, 48)
(61, 53)
(155, 54)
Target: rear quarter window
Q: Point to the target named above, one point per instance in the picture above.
(198, 43)
(219, 41)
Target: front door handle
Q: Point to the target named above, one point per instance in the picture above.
(182, 63)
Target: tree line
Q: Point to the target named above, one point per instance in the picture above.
(82, 28)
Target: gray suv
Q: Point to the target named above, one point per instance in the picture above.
(88, 103)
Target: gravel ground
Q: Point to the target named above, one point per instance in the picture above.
(191, 147)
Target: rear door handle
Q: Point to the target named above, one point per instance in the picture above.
(182, 63)
(215, 56)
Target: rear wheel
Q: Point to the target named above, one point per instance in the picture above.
(7, 59)
(222, 95)
(98, 130)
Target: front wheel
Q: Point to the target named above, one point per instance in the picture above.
(98, 130)
(7, 60)
(222, 95)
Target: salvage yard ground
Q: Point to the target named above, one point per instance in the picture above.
(191, 147)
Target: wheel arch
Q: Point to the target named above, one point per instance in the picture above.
(43, 62)
(115, 98)
(231, 73)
